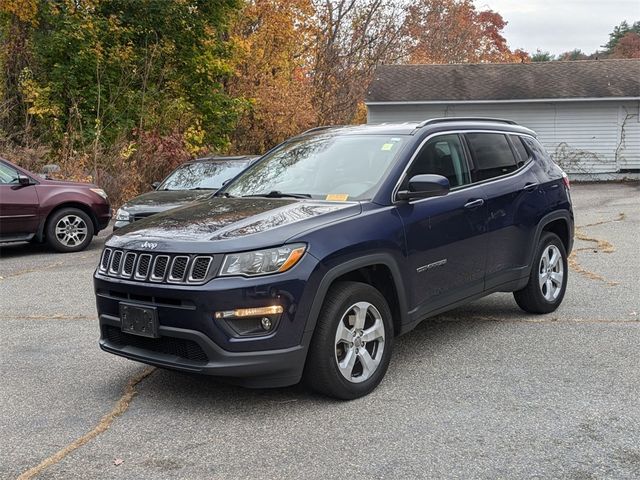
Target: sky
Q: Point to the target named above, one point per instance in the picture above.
(559, 26)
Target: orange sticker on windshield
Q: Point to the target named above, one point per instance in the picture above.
(337, 197)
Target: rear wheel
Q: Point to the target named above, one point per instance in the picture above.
(69, 230)
(351, 346)
(548, 278)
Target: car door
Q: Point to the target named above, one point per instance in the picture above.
(18, 205)
(513, 199)
(444, 235)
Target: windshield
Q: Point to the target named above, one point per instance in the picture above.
(331, 167)
(202, 175)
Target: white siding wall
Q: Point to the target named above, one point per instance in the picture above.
(589, 139)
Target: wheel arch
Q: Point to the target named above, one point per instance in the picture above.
(79, 205)
(559, 222)
(379, 270)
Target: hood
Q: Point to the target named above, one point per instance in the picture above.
(230, 224)
(63, 183)
(161, 200)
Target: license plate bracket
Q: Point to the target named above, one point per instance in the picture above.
(139, 320)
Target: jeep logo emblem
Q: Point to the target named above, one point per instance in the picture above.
(149, 245)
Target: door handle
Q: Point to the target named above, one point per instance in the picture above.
(474, 203)
(530, 187)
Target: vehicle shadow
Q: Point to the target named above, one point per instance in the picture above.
(430, 339)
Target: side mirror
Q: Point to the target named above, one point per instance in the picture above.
(23, 180)
(425, 186)
(155, 185)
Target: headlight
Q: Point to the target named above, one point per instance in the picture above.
(262, 262)
(100, 192)
(122, 215)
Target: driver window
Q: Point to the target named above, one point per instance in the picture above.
(442, 155)
(7, 174)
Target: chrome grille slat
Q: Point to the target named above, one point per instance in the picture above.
(104, 262)
(178, 268)
(142, 269)
(157, 268)
(116, 259)
(199, 269)
(128, 264)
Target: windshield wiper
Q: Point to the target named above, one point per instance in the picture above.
(201, 188)
(279, 194)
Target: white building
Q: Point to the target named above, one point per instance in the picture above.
(586, 113)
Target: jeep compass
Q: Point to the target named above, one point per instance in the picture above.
(309, 264)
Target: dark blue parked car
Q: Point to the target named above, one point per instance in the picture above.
(312, 261)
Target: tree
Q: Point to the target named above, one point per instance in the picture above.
(618, 33)
(353, 37)
(272, 54)
(454, 31)
(542, 56)
(627, 47)
(575, 54)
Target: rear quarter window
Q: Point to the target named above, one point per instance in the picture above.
(492, 155)
(521, 150)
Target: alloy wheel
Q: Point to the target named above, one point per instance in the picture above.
(359, 342)
(551, 273)
(71, 230)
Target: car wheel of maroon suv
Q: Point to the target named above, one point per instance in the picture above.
(64, 214)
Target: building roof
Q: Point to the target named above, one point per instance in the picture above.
(486, 82)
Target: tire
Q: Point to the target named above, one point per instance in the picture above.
(354, 328)
(69, 230)
(548, 279)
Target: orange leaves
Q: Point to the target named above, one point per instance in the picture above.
(627, 47)
(453, 31)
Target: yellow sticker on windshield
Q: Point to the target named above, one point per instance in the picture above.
(387, 147)
(337, 197)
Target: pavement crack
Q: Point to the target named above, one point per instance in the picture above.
(121, 406)
(603, 246)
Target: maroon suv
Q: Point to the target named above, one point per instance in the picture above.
(65, 214)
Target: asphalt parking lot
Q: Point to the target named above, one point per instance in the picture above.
(484, 391)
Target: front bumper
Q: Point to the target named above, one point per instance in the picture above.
(192, 351)
(192, 340)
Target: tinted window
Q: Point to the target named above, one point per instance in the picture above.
(491, 154)
(8, 174)
(520, 149)
(444, 156)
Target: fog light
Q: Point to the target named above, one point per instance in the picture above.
(250, 312)
(266, 323)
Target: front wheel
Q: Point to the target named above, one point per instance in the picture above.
(351, 346)
(548, 278)
(69, 230)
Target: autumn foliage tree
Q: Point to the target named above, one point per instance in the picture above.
(271, 72)
(454, 31)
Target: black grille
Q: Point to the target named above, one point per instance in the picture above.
(178, 268)
(174, 268)
(187, 349)
(144, 262)
(129, 263)
(200, 268)
(115, 261)
(160, 267)
(106, 255)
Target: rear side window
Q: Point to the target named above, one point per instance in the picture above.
(520, 149)
(492, 155)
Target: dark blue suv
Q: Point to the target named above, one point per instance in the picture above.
(309, 264)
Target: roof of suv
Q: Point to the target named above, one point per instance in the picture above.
(412, 128)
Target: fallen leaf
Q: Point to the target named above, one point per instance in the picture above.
(118, 461)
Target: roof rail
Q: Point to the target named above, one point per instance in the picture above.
(464, 119)
(317, 129)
